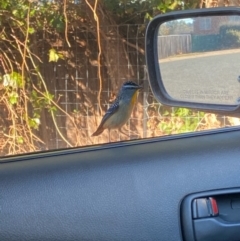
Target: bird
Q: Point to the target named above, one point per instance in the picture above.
(120, 111)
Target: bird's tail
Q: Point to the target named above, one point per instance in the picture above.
(98, 131)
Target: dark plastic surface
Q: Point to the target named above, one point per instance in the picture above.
(215, 229)
(229, 211)
(130, 192)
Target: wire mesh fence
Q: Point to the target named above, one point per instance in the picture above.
(77, 86)
(74, 82)
(76, 89)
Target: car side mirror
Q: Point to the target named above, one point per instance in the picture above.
(193, 58)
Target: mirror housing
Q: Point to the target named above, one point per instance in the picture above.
(183, 92)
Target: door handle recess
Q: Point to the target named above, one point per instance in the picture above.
(210, 229)
(211, 216)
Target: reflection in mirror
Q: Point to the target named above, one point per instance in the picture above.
(200, 59)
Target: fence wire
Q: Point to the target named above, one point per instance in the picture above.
(75, 84)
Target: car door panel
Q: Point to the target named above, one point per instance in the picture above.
(118, 192)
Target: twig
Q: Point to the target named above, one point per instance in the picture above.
(133, 46)
(99, 51)
(23, 68)
(66, 22)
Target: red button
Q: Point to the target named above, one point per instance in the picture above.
(214, 206)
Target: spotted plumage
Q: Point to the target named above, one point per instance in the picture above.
(121, 109)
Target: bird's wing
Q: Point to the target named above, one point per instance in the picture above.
(112, 109)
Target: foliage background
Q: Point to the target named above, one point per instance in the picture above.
(62, 63)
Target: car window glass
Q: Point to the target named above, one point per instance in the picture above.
(62, 66)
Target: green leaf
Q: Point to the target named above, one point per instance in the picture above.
(20, 140)
(13, 97)
(148, 16)
(34, 123)
(32, 12)
(31, 30)
(15, 12)
(34, 94)
(173, 5)
(166, 113)
(52, 109)
(53, 56)
(48, 95)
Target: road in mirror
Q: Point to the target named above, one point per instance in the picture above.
(200, 59)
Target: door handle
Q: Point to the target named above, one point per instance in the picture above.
(211, 216)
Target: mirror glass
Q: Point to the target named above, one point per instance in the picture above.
(199, 59)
